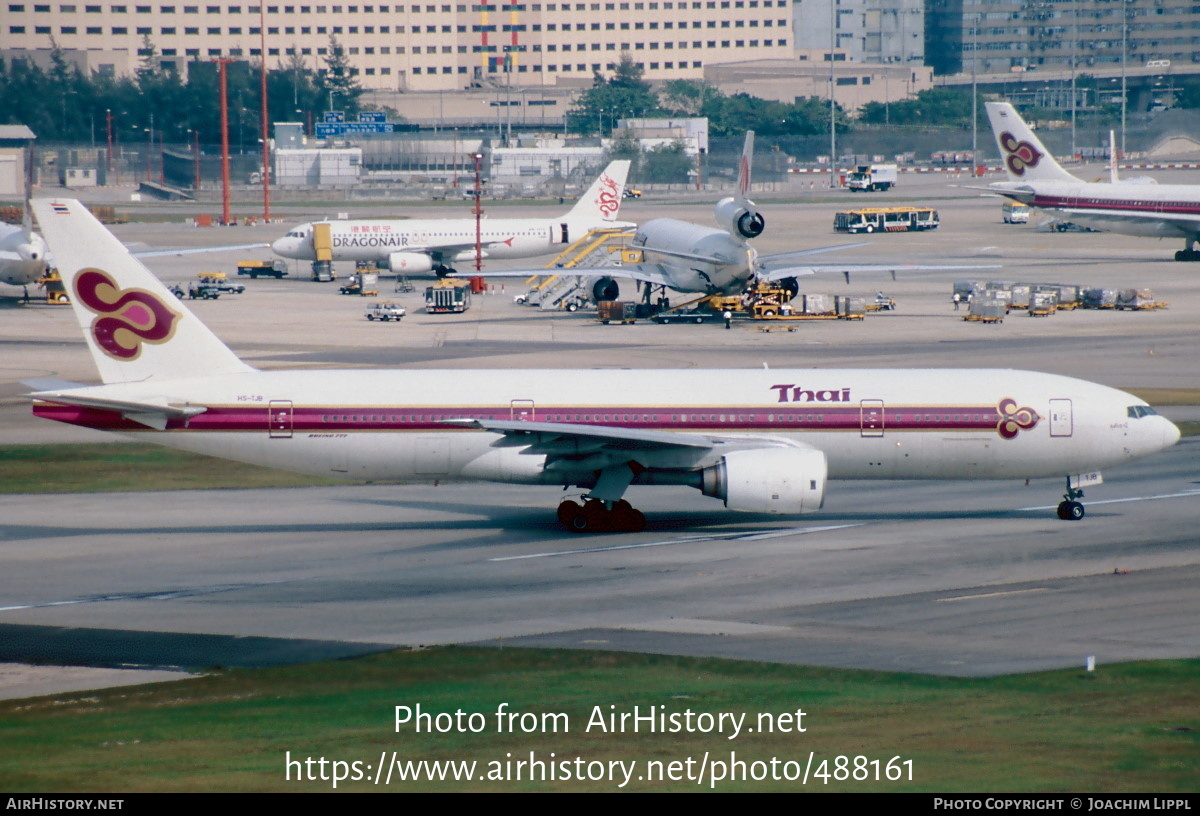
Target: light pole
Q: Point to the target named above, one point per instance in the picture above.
(195, 159)
(974, 94)
(149, 148)
(108, 119)
(1124, 45)
(832, 103)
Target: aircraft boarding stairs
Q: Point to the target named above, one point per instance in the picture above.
(563, 290)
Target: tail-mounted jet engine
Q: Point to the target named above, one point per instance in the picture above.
(740, 217)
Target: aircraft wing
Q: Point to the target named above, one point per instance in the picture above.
(566, 437)
(647, 273)
(155, 253)
(1187, 224)
(781, 273)
(778, 257)
(571, 447)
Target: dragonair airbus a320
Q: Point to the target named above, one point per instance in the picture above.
(1130, 207)
(766, 441)
(436, 244)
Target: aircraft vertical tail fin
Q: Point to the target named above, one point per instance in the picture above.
(135, 327)
(1025, 157)
(743, 183)
(1112, 157)
(602, 201)
(737, 213)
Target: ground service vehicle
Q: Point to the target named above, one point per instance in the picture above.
(1016, 213)
(886, 219)
(268, 269)
(218, 279)
(872, 177)
(689, 316)
(385, 312)
(448, 296)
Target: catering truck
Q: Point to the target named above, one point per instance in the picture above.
(872, 177)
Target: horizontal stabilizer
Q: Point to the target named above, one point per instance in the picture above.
(152, 414)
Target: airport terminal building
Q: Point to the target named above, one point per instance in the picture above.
(413, 46)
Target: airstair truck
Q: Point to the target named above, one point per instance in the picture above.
(872, 177)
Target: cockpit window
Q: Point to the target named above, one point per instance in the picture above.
(1139, 411)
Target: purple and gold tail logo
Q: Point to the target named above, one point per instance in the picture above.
(1013, 420)
(127, 317)
(1021, 154)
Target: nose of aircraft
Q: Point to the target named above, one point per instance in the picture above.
(284, 247)
(1170, 433)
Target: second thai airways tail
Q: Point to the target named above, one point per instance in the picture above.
(1025, 157)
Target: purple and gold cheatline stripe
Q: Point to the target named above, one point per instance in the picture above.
(1007, 418)
(1153, 207)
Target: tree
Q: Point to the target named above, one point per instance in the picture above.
(686, 96)
(667, 164)
(625, 146)
(338, 78)
(625, 95)
(933, 107)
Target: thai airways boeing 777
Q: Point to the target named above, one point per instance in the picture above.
(1133, 207)
(760, 440)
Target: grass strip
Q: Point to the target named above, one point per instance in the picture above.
(118, 467)
(1122, 728)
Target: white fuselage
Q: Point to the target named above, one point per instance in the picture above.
(449, 240)
(914, 424)
(1151, 210)
(22, 256)
(730, 276)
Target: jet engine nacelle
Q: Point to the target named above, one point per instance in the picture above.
(740, 217)
(605, 289)
(769, 480)
(409, 262)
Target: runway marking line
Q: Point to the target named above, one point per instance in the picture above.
(991, 595)
(1184, 494)
(689, 540)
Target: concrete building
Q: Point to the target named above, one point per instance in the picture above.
(411, 46)
(15, 143)
(872, 31)
(808, 75)
(1040, 35)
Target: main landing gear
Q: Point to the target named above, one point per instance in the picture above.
(1070, 509)
(1188, 253)
(595, 516)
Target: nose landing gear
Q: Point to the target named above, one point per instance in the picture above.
(1069, 509)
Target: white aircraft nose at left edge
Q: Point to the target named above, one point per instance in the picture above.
(765, 441)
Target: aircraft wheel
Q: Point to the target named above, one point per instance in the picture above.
(628, 520)
(591, 518)
(1070, 511)
(567, 511)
